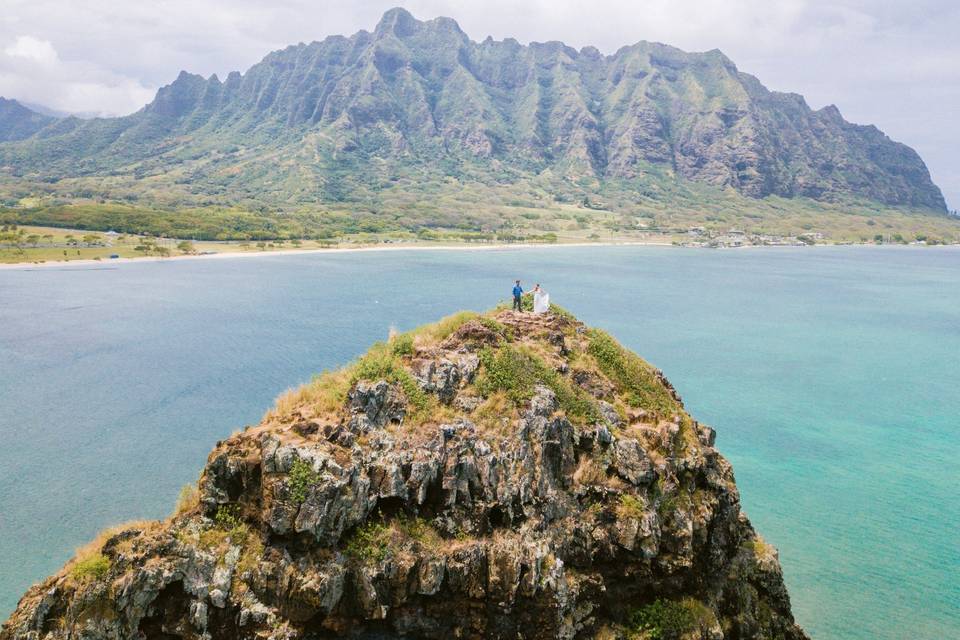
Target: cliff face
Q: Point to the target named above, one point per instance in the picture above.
(495, 476)
(415, 98)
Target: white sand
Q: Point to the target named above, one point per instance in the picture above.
(293, 252)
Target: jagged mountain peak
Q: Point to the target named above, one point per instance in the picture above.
(401, 23)
(397, 20)
(14, 105)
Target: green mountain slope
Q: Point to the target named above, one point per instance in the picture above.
(415, 111)
(18, 122)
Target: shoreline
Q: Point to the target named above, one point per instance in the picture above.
(224, 255)
(332, 250)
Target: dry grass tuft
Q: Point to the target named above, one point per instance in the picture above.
(438, 331)
(325, 394)
(496, 415)
(763, 551)
(630, 506)
(590, 472)
(188, 500)
(89, 563)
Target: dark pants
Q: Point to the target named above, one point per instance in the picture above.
(516, 303)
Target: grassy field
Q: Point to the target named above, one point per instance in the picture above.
(51, 244)
(427, 207)
(67, 245)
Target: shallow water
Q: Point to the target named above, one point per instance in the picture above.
(831, 375)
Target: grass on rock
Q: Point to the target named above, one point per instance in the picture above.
(374, 541)
(382, 363)
(667, 619)
(516, 371)
(636, 379)
(228, 527)
(327, 393)
(188, 500)
(90, 563)
(91, 567)
(630, 507)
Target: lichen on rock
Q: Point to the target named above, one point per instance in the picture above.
(501, 475)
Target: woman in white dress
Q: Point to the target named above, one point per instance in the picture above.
(541, 300)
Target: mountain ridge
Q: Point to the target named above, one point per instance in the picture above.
(341, 119)
(18, 121)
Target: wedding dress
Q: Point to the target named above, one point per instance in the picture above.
(541, 301)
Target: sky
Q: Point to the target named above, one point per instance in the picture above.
(895, 64)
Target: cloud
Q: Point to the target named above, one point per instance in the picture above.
(31, 70)
(33, 49)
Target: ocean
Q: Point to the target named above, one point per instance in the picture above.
(832, 375)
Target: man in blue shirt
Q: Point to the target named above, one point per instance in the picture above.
(517, 292)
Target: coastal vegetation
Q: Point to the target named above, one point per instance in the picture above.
(187, 501)
(517, 371)
(77, 237)
(709, 214)
(375, 541)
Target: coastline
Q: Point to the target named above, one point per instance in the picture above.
(293, 252)
(223, 255)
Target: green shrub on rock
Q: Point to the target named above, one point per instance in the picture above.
(228, 517)
(403, 345)
(667, 619)
(370, 542)
(301, 478)
(382, 363)
(92, 567)
(516, 372)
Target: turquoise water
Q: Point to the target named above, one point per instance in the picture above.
(831, 375)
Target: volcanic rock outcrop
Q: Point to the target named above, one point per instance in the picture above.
(501, 475)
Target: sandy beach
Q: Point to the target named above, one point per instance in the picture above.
(292, 252)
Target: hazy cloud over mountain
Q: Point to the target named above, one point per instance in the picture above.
(881, 62)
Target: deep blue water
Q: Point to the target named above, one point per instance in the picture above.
(831, 374)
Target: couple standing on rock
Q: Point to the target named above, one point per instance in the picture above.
(541, 299)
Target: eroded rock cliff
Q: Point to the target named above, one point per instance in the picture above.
(491, 476)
